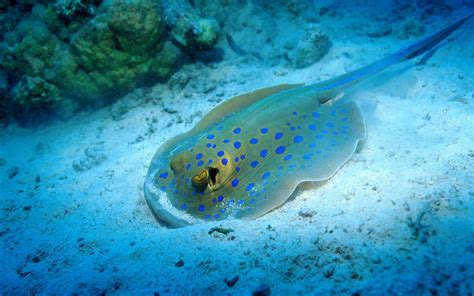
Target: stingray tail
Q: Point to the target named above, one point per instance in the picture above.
(407, 53)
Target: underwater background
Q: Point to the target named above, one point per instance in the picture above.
(90, 89)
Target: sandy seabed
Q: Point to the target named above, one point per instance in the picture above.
(397, 218)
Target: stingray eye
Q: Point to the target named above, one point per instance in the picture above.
(200, 181)
(202, 177)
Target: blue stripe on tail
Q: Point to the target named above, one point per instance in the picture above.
(404, 54)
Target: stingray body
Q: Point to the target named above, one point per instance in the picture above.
(246, 157)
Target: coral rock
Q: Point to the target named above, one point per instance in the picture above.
(313, 47)
(117, 51)
(34, 92)
(194, 33)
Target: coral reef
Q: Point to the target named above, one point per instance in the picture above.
(30, 50)
(116, 51)
(91, 51)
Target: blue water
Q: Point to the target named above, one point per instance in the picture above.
(90, 90)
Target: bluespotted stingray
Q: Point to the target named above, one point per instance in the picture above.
(247, 156)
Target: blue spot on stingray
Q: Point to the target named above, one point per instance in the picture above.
(235, 182)
(231, 202)
(208, 145)
(288, 123)
(214, 146)
(202, 208)
(263, 153)
(312, 145)
(163, 188)
(198, 156)
(298, 139)
(210, 136)
(264, 130)
(214, 200)
(265, 175)
(237, 145)
(226, 141)
(249, 187)
(220, 127)
(319, 137)
(200, 163)
(237, 169)
(242, 156)
(316, 115)
(324, 131)
(216, 216)
(280, 149)
(207, 217)
(220, 198)
(237, 130)
(188, 166)
(164, 175)
(292, 128)
(240, 202)
(223, 210)
(253, 141)
(254, 163)
(335, 133)
(220, 153)
(209, 161)
(278, 136)
(330, 125)
(288, 157)
(224, 161)
(333, 112)
(236, 159)
(295, 113)
(184, 206)
(312, 127)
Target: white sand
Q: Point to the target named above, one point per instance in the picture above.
(398, 217)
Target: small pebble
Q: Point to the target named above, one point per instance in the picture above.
(180, 263)
(306, 213)
(12, 172)
(220, 230)
(231, 282)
